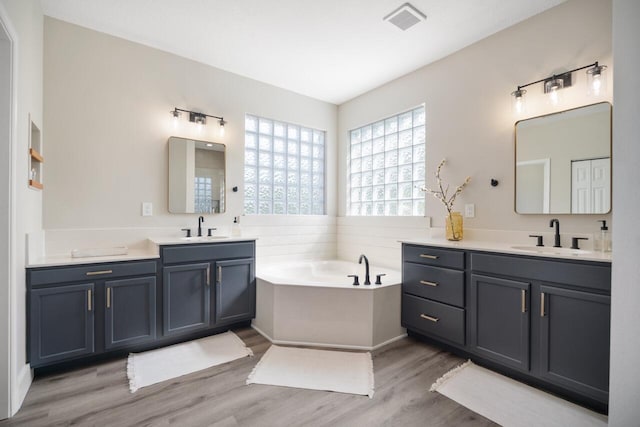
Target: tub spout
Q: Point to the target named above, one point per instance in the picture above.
(366, 265)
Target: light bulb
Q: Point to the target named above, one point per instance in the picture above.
(553, 96)
(596, 85)
(597, 80)
(518, 101)
(222, 123)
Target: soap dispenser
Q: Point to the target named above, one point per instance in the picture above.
(602, 241)
(235, 228)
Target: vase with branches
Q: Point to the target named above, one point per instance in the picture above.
(454, 228)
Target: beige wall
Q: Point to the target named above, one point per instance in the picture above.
(468, 107)
(625, 294)
(107, 104)
(26, 20)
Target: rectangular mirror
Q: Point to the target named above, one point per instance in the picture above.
(563, 162)
(196, 176)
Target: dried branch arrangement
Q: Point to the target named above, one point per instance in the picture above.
(442, 193)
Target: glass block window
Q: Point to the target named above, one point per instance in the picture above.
(284, 168)
(386, 166)
(202, 194)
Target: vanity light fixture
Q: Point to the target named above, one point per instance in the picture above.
(596, 85)
(198, 118)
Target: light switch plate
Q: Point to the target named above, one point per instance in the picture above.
(470, 210)
(147, 209)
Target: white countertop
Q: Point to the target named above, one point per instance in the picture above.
(511, 248)
(66, 259)
(194, 240)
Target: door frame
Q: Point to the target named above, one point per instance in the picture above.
(9, 133)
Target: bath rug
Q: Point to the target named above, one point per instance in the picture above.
(151, 367)
(509, 402)
(340, 371)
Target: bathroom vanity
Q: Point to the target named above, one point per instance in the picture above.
(192, 289)
(542, 319)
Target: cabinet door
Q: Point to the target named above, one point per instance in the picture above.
(130, 314)
(61, 323)
(186, 296)
(574, 340)
(235, 290)
(500, 320)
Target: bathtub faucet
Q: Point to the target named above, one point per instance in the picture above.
(366, 265)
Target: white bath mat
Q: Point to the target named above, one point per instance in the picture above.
(340, 371)
(509, 402)
(151, 367)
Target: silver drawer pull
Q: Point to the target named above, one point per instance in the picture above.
(97, 273)
(433, 319)
(426, 282)
(89, 300)
(429, 256)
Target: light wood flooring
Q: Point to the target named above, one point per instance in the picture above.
(98, 395)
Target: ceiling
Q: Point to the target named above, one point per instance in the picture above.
(332, 50)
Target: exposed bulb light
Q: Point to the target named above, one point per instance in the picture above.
(596, 80)
(175, 114)
(552, 87)
(222, 123)
(518, 104)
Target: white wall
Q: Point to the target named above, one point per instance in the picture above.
(625, 315)
(27, 20)
(469, 118)
(107, 121)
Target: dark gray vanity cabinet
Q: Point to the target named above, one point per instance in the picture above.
(545, 320)
(499, 326)
(75, 312)
(235, 290)
(433, 292)
(130, 312)
(208, 285)
(574, 340)
(61, 323)
(187, 296)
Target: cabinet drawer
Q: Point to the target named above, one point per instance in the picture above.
(439, 284)
(46, 276)
(207, 252)
(433, 318)
(432, 256)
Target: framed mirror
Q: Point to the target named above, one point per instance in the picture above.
(196, 176)
(563, 162)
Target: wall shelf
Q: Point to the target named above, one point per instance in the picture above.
(35, 184)
(35, 156)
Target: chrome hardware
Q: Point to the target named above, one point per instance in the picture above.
(425, 282)
(108, 297)
(542, 313)
(89, 299)
(96, 273)
(523, 301)
(428, 256)
(433, 319)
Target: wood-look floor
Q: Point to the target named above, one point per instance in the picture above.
(98, 395)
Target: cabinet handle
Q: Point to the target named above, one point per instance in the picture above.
(425, 282)
(433, 319)
(108, 297)
(89, 299)
(97, 273)
(219, 274)
(523, 301)
(208, 275)
(428, 256)
(542, 304)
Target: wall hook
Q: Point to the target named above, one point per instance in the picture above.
(494, 182)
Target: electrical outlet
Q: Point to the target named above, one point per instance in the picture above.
(470, 210)
(147, 209)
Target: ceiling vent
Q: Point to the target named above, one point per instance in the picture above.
(405, 17)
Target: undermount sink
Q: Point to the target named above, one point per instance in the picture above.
(202, 238)
(552, 250)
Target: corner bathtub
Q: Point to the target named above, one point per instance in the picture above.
(314, 303)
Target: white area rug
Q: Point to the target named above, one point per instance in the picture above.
(509, 402)
(340, 371)
(159, 365)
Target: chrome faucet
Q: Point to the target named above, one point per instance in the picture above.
(557, 236)
(200, 221)
(366, 265)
